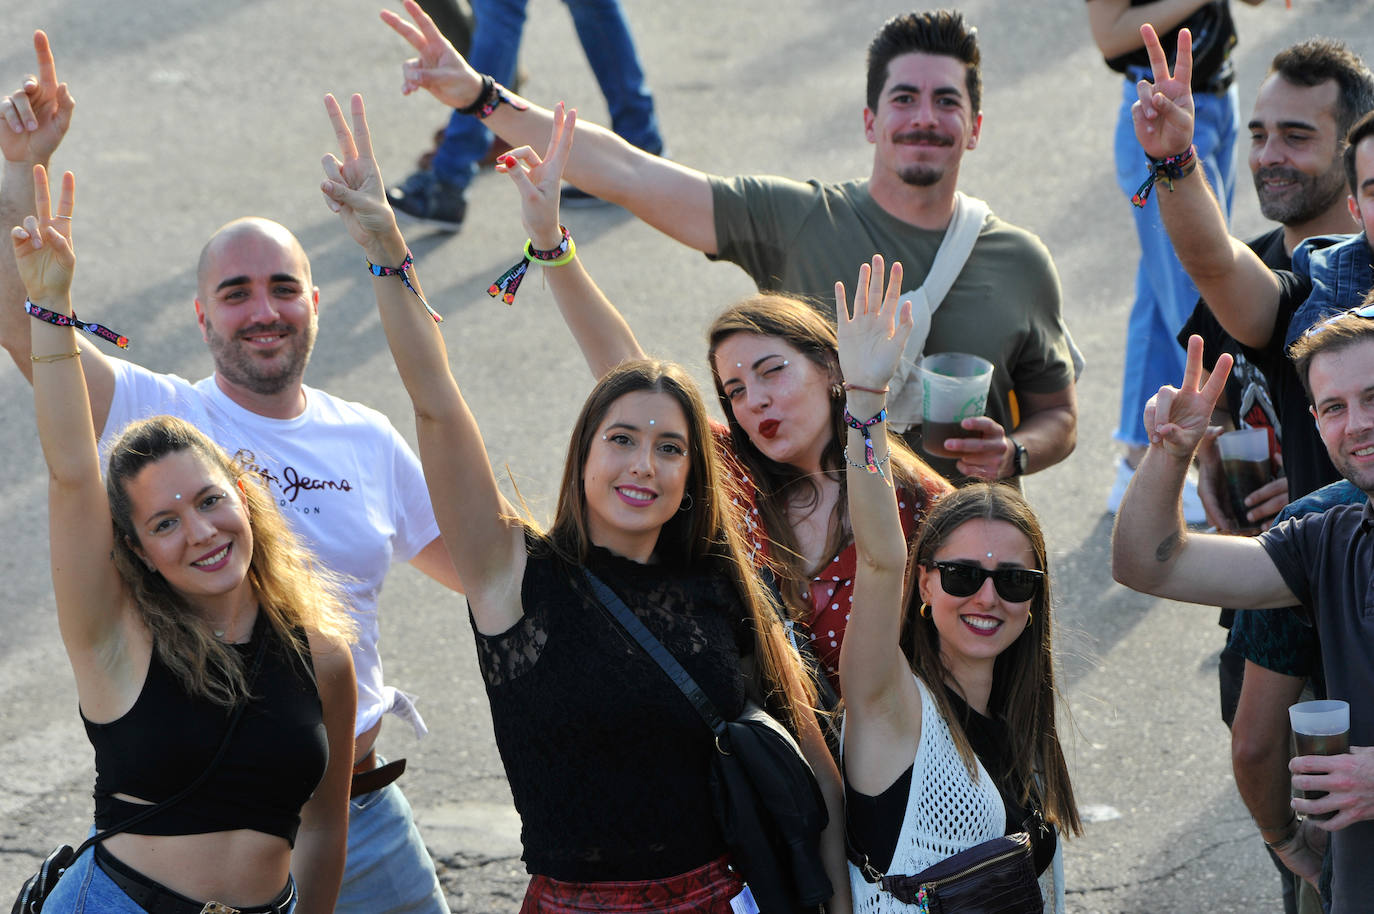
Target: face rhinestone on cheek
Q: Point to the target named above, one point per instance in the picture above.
(177, 496)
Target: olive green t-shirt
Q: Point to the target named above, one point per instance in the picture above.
(800, 238)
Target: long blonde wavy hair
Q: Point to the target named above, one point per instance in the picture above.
(294, 592)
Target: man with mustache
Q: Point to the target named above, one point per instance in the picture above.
(1313, 93)
(923, 112)
(342, 475)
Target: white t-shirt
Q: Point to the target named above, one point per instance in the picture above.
(341, 474)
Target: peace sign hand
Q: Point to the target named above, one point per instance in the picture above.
(539, 179)
(43, 244)
(353, 186)
(1163, 116)
(1176, 418)
(439, 69)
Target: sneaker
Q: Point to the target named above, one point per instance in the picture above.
(428, 200)
(1193, 512)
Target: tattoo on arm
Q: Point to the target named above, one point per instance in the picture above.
(1168, 547)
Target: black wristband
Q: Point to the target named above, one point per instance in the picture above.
(484, 98)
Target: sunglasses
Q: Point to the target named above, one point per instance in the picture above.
(1364, 311)
(963, 579)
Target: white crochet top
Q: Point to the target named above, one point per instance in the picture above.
(946, 811)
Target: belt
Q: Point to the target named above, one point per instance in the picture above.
(156, 898)
(368, 776)
(1218, 84)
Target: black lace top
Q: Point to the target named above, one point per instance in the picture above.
(607, 761)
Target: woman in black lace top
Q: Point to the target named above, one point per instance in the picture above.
(608, 762)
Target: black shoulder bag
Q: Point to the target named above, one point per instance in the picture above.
(765, 796)
(39, 886)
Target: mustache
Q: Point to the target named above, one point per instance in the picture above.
(924, 136)
(1278, 171)
(259, 329)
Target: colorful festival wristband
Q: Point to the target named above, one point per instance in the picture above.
(1167, 170)
(403, 272)
(869, 464)
(71, 320)
(509, 282)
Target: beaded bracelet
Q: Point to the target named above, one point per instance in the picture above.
(869, 464)
(875, 467)
(509, 282)
(490, 98)
(1167, 170)
(403, 272)
(71, 320)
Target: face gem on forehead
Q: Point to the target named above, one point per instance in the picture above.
(177, 496)
(651, 421)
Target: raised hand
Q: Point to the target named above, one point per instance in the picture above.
(1176, 418)
(43, 244)
(1163, 116)
(871, 340)
(439, 69)
(37, 116)
(353, 185)
(539, 179)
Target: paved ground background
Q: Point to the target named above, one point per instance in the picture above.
(190, 114)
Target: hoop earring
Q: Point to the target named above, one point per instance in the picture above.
(1030, 617)
(924, 610)
(686, 503)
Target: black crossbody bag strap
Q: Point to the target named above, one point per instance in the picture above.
(204, 775)
(621, 613)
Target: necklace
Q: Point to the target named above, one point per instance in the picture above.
(233, 623)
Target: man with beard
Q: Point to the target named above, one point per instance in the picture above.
(342, 475)
(923, 113)
(1320, 564)
(1311, 96)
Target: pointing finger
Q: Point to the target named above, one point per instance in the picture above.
(47, 68)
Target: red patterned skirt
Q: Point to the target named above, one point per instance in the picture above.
(704, 890)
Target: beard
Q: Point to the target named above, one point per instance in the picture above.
(1310, 196)
(242, 367)
(922, 174)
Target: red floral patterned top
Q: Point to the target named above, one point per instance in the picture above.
(832, 589)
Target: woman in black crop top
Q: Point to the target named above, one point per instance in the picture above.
(607, 762)
(949, 686)
(181, 595)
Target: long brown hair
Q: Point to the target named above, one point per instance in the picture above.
(1024, 694)
(703, 532)
(293, 591)
(798, 324)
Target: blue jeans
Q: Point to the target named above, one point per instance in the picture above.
(1164, 295)
(85, 889)
(388, 869)
(605, 37)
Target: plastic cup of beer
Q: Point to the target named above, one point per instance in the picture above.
(1246, 465)
(1320, 728)
(954, 387)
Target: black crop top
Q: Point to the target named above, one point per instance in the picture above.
(607, 761)
(275, 759)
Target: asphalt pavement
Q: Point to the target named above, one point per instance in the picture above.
(190, 114)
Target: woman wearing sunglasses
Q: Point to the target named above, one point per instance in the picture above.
(948, 678)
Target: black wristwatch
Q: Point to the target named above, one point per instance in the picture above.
(1020, 461)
